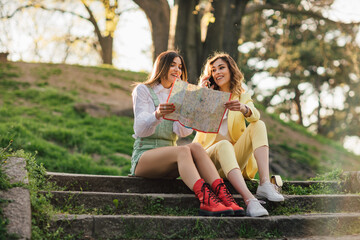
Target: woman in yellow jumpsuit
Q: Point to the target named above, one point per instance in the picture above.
(238, 151)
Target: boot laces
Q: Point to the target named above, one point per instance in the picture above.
(229, 198)
(211, 195)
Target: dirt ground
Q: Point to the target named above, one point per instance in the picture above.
(101, 99)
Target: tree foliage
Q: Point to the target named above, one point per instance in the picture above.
(314, 55)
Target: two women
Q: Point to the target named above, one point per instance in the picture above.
(155, 154)
(232, 150)
(238, 151)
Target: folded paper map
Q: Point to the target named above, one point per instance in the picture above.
(199, 108)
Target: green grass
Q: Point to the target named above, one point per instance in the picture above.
(315, 189)
(41, 209)
(335, 175)
(300, 153)
(108, 70)
(43, 120)
(153, 206)
(247, 231)
(117, 86)
(43, 73)
(4, 181)
(287, 211)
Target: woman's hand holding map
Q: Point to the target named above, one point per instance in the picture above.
(163, 109)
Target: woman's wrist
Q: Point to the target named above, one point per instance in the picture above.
(246, 111)
(158, 115)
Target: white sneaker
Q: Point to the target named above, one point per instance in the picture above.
(268, 190)
(255, 209)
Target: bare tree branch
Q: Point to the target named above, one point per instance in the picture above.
(44, 8)
(93, 21)
(293, 10)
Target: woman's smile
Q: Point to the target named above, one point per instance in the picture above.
(174, 72)
(221, 73)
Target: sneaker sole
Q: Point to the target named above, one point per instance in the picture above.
(270, 199)
(276, 200)
(259, 215)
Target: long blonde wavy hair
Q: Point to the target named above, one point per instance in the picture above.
(236, 79)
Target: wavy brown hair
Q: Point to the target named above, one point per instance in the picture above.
(237, 78)
(162, 65)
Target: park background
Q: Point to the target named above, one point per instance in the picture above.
(66, 88)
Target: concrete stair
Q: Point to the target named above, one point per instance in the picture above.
(111, 207)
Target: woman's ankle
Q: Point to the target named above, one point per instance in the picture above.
(247, 201)
(264, 180)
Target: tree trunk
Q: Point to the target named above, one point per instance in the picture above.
(232, 28)
(224, 33)
(158, 15)
(298, 105)
(106, 44)
(188, 37)
(215, 32)
(317, 88)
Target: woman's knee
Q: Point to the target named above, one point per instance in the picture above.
(195, 147)
(224, 144)
(258, 134)
(183, 153)
(197, 152)
(225, 151)
(258, 124)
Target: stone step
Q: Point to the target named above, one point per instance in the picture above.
(187, 204)
(187, 227)
(101, 183)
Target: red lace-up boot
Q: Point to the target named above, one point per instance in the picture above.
(223, 193)
(210, 204)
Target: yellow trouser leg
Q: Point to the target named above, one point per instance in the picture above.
(227, 157)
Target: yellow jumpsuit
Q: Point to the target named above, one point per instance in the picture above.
(237, 153)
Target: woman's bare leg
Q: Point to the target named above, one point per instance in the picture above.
(167, 161)
(205, 166)
(261, 155)
(236, 179)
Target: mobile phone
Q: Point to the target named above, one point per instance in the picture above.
(212, 81)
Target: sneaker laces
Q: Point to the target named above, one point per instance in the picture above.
(207, 189)
(256, 200)
(229, 197)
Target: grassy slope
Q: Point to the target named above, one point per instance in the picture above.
(39, 110)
